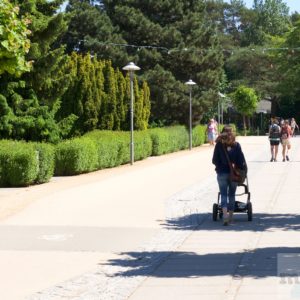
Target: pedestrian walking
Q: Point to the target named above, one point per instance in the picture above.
(286, 133)
(294, 125)
(226, 142)
(274, 138)
(211, 131)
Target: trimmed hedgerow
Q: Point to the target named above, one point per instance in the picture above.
(142, 145)
(168, 139)
(199, 135)
(113, 147)
(107, 147)
(19, 164)
(46, 159)
(75, 156)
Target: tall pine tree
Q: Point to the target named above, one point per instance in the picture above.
(48, 78)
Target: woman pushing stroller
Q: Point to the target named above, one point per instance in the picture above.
(226, 142)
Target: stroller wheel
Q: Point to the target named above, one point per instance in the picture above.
(220, 214)
(249, 211)
(215, 212)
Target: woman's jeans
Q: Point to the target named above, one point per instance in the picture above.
(227, 191)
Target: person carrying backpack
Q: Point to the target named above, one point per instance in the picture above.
(274, 138)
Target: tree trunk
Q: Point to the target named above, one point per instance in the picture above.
(244, 124)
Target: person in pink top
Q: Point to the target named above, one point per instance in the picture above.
(211, 131)
(286, 133)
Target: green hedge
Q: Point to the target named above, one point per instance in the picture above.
(142, 145)
(168, 139)
(46, 157)
(199, 135)
(75, 156)
(113, 147)
(22, 164)
(107, 146)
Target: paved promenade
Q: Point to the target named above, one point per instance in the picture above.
(146, 232)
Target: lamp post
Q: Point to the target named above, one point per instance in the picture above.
(220, 110)
(261, 112)
(190, 83)
(131, 67)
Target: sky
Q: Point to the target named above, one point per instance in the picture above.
(294, 5)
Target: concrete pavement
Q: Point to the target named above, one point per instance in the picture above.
(145, 232)
(245, 260)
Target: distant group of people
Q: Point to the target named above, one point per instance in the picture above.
(228, 154)
(281, 132)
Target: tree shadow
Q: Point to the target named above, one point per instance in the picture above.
(261, 222)
(259, 263)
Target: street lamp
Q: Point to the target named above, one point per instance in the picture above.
(220, 110)
(131, 67)
(261, 111)
(190, 83)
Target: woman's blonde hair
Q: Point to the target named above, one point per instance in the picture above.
(227, 136)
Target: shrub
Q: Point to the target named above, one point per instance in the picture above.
(113, 147)
(19, 164)
(199, 135)
(76, 156)
(169, 139)
(46, 158)
(142, 145)
(107, 147)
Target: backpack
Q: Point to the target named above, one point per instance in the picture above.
(274, 132)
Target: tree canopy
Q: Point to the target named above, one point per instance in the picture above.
(14, 40)
(76, 82)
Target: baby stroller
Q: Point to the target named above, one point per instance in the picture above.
(240, 207)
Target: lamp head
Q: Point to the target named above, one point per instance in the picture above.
(131, 67)
(190, 82)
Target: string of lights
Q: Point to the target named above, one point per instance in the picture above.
(172, 50)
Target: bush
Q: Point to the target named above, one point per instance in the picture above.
(199, 135)
(113, 147)
(169, 139)
(46, 159)
(107, 148)
(19, 164)
(76, 156)
(142, 145)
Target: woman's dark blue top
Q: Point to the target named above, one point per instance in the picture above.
(235, 154)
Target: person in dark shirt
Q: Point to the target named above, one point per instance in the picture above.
(226, 142)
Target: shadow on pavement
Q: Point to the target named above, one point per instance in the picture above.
(259, 263)
(261, 222)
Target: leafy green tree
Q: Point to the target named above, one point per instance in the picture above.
(289, 84)
(108, 112)
(146, 107)
(22, 118)
(83, 97)
(14, 42)
(273, 16)
(122, 104)
(255, 68)
(6, 117)
(245, 102)
(48, 78)
(184, 44)
(90, 29)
